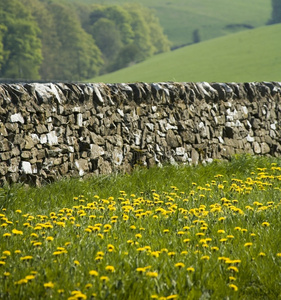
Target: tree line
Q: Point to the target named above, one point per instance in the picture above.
(53, 40)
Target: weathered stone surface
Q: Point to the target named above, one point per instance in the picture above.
(53, 130)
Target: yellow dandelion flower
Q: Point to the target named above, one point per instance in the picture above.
(214, 248)
(205, 257)
(234, 269)
(76, 262)
(104, 279)
(171, 254)
(233, 287)
(28, 257)
(2, 263)
(49, 238)
(21, 281)
(29, 277)
(221, 231)
(110, 248)
(180, 265)
(152, 274)
(265, 224)
(6, 252)
(262, 254)
(172, 297)
(190, 269)
(231, 278)
(141, 270)
(49, 285)
(17, 232)
(138, 236)
(93, 273)
(110, 269)
(248, 245)
(278, 254)
(7, 274)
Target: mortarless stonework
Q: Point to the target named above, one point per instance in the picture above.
(48, 131)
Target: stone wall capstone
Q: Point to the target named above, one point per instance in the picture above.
(48, 131)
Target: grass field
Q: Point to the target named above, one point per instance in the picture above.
(208, 232)
(179, 18)
(252, 55)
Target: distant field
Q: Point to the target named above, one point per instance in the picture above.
(252, 55)
(180, 18)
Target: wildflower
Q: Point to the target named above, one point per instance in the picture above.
(278, 254)
(231, 278)
(104, 279)
(166, 230)
(179, 265)
(141, 270)
(28, 257)
(233, 287)
(110, 248)
(29, 277)
(205, 257)
(21, 281)
(88, 286)
(214, 248)
(138, 235)
(110, 269)
(2, 263)
(184, 252)
(93, 273)
(171, 254)
(49, 285)
(186, 240)
(7, 253)
(76, 262)
(17, 232)
(221, 231)
(172, 297)
(265, 224)
(248, 245)
(262, 254)
(190, 269)
(234, 269)
(49, 238)
(6, 274)
(152, 274)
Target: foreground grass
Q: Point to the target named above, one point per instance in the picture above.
(177, 232)
(252, 55)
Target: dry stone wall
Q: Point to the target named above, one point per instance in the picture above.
(48, 131)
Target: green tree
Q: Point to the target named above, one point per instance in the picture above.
(48, 36)
(2, 31)
(276, 12)
(126, 34)
(22, 47)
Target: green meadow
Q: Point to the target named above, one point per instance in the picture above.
(179, 18)
(177, 232)
(252, 55)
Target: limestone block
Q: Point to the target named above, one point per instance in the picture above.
(26, 167)
(17, 118)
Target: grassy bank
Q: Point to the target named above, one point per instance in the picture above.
(171, 233)
(252, 55)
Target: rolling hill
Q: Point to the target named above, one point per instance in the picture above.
(180, 18)
(252, 55)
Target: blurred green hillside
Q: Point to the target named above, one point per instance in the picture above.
(180, 18)
(252, 55)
